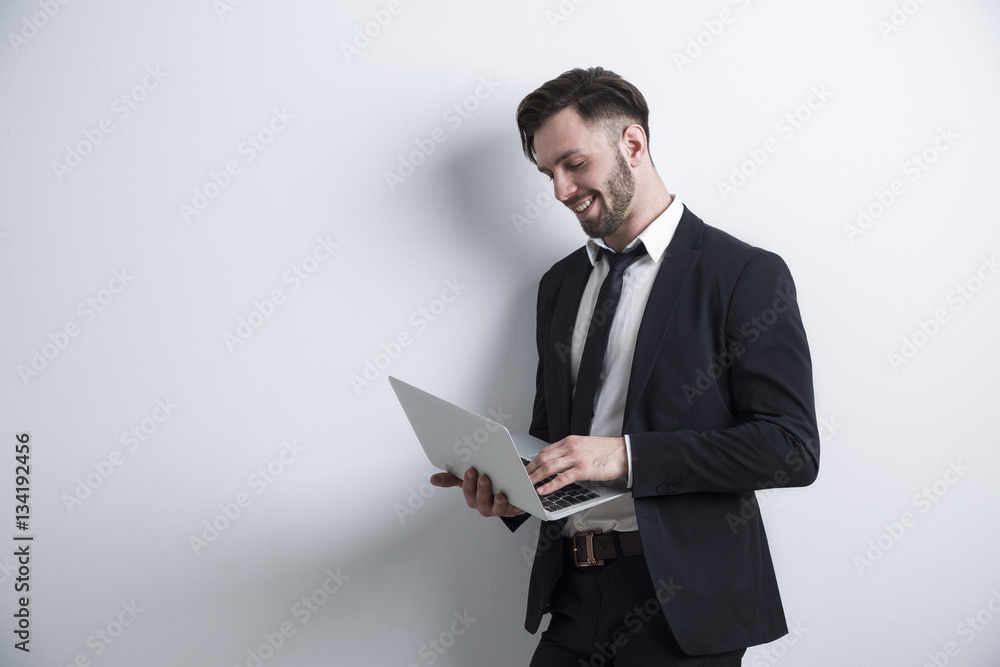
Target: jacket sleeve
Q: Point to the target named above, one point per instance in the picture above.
(774, 439)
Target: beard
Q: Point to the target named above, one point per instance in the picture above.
(620, 190)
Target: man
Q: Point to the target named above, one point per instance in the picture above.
(673, 362)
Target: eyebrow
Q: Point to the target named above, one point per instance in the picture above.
(566, 155)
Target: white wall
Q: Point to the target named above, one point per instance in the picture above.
(336, 125)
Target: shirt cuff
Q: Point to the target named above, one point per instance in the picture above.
(628, 457)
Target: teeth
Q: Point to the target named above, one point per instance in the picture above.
(584, 205)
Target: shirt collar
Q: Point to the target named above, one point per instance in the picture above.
(655, 237)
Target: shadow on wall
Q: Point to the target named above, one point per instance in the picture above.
(444, 585)
(447, 587)
(496, 223)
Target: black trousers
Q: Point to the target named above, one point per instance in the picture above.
(610, 615)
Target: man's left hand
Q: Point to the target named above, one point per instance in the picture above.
(579, 458)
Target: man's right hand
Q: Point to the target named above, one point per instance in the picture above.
(478, 493)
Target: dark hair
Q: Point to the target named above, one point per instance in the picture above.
(597, 94)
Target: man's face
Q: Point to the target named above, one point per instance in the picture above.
(589, 175)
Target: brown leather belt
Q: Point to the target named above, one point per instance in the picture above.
(593, 547)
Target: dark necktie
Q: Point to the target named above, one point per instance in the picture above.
(589, 376)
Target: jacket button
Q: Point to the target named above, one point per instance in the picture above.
(662, 488)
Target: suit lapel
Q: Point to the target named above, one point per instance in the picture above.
(676, 266)
(563, 323)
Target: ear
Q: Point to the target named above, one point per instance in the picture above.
(634, 143)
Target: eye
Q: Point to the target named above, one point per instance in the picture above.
(578, 165)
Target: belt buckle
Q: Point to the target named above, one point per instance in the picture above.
(588, 550)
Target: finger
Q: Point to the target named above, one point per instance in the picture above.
(562, 479)
(503, 508)
(554, 466)
(445, 480)
(469, 487)
(546, 454)
(484, 496)
(499, 505)
(513, 511)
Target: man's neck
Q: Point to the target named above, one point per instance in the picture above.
(648, 209)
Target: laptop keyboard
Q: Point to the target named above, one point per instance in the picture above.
(569, 495)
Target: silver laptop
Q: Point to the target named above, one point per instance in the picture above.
(456, 440)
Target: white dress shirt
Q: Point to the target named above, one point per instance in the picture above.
(609, 407)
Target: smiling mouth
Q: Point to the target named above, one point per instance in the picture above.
(583, 206)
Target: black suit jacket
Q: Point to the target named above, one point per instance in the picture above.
(719, 403)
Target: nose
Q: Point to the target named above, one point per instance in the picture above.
(563, 187)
